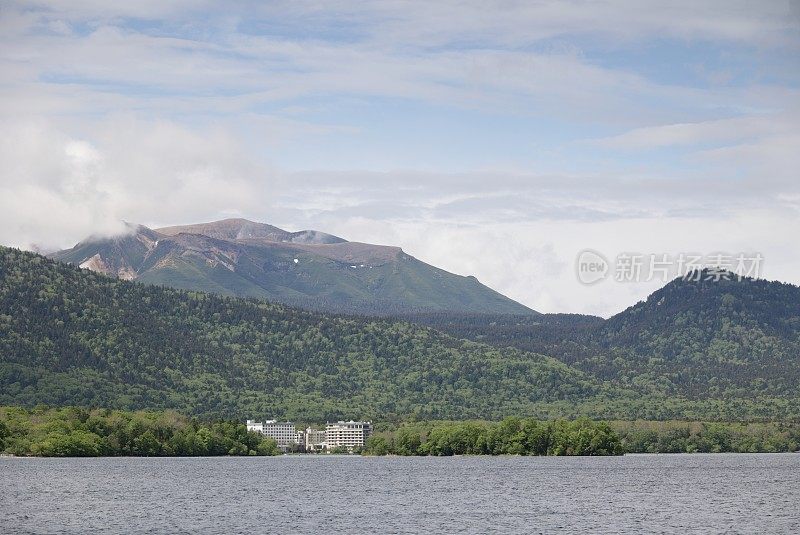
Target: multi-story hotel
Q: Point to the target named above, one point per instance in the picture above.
(347, 434)
(315, 440)
(284, 433)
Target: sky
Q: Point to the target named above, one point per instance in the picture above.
(495, 139)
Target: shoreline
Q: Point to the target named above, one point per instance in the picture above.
(393, 456)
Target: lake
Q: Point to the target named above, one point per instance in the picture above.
(722, 493)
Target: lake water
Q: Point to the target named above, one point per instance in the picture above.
(736, 493)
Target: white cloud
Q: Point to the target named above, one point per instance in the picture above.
(93, 10)
(166, 112)
(56, 189)
(772, 159)
(533, 262)
(515, 24)
(719, 131)
(485, 64)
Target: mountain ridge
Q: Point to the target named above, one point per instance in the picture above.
(307, 268)
(239, 228)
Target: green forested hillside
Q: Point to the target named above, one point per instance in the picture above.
(694, 339)
(73, 337)
(563, 336)
(707, 338)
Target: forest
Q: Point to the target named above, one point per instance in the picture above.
(695, 338)
(78, 432)
(73, 337)
(707, 437)
(526, 436)
(511, 436)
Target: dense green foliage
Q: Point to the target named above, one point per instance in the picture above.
(696, 340)
(77, 432)
(706, 338)
(512, 436)
(73, 337)
(515, 436)
(563, 336)
(705, 437)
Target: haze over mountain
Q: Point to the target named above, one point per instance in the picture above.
(309, 268)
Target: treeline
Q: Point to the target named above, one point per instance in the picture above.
(704, 437)
(77, 432)
(515, 436)
(512, 436)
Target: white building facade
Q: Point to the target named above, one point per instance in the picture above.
(315, 440)
(349, 435)
(284, 433)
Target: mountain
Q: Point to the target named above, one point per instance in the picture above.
(311, 269)
(702, 338)
(707, 337)
(70, 336)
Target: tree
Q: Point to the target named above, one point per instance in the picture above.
(408, 441)
(268, 446)
(376, 445)
(146, 445)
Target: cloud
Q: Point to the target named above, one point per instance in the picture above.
(533, 262)
(721, 131)
(466, 55)
(97, 10)
(486, 196)
(510, 23)
(518, 23)
(774, 159)
(491, 139)
(56, 189)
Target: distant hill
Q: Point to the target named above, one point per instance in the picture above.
(310, 269)
(693, 338)
(69, 336)
(707, 337)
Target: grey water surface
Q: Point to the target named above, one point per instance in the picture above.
(722, 493)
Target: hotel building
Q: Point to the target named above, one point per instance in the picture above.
(315, 440)
(284, 433)
(347, 434)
